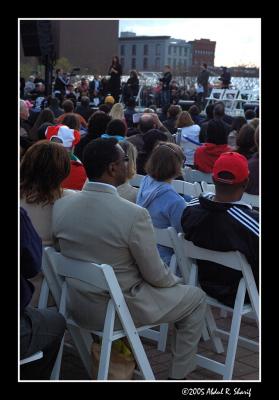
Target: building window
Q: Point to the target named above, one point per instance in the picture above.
(169, 61)
(145, 62)
(185, 51)
(134, 50)
(122, 62)
(133, 64)
(174, 63)
(122, 50)
(158, 49)
(174, 49)
(180, 51)
(169, 50)
(185, 63)
(145, 50)
(157, 62)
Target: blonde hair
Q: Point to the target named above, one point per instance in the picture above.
(132, 153)
(184, 119)
(117, 111)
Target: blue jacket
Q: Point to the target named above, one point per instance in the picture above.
(165, 207)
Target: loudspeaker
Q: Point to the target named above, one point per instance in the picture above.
(36, 38)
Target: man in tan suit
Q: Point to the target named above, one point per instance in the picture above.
(98, 225)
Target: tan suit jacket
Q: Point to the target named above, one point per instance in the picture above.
(98, 225)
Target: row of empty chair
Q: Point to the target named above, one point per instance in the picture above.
(233, 99)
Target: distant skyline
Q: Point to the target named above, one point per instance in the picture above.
(238, 40)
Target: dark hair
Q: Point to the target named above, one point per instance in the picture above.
(116, 127)
(250, 114)
(45, 115)
(41, 133)
(174, 110)
(237, 123)
(117, 60)
(53, 101)
(97, 124)
(97, 156)
(85, 101)
(216, 132)
(68, 106)
(219, 109)
(151, 138)
(245, 141)
(209, 111)
(165, 162)
(131, 102)
(194, 110)
(72, 121)
(42, 170)
(104, 108)
(205, 65)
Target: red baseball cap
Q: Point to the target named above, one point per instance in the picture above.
(234, 163)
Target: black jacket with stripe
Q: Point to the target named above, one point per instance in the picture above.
(223, 227)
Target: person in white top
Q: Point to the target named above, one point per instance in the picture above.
(189, 136)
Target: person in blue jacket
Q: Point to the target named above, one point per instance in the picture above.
(157, 194)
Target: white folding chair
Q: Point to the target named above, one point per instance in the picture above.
(236, 261)
(101, 277)
(187, 188)
(33, 357)
(230, 100)
(215, 95)
(136, 180)
(251, 199)
(193, 175)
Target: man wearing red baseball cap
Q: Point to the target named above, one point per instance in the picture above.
(223, 222)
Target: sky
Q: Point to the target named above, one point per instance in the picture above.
(238, 40)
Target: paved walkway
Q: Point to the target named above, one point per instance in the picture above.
(246, 364)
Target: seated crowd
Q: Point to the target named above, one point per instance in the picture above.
(75, 195)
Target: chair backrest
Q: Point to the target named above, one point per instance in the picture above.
(187, 188)
(193, 175)
(99, 276)
(54, 281)
(251, 199)
(168, 237)
(136, 180)
(33, 357)
(230, 259)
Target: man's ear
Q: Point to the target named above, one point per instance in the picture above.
(111, 169)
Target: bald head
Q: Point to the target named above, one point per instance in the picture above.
(146, 123)
(24, 110)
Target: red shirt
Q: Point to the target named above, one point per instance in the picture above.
(206, 155)
(76, 178)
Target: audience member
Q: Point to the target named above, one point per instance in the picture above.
(127, 191)
(204, 125)
(245, 142)
(253, 165)
(150, 140)
(45, 115)
(223, 222)
(189, 136)
(69, 138)
(84, 108)
(156, 193)
(172, 115)
(68, 107)
(237, 123)
(97, 125)
(115, 128)
(206, 155)
(40, 330)
(97, 225)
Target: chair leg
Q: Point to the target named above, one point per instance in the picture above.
(43, 295)
(234, 332)
(55, 374)
(106, 342)
(81, 341)
(162, 342)
(211, 324)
